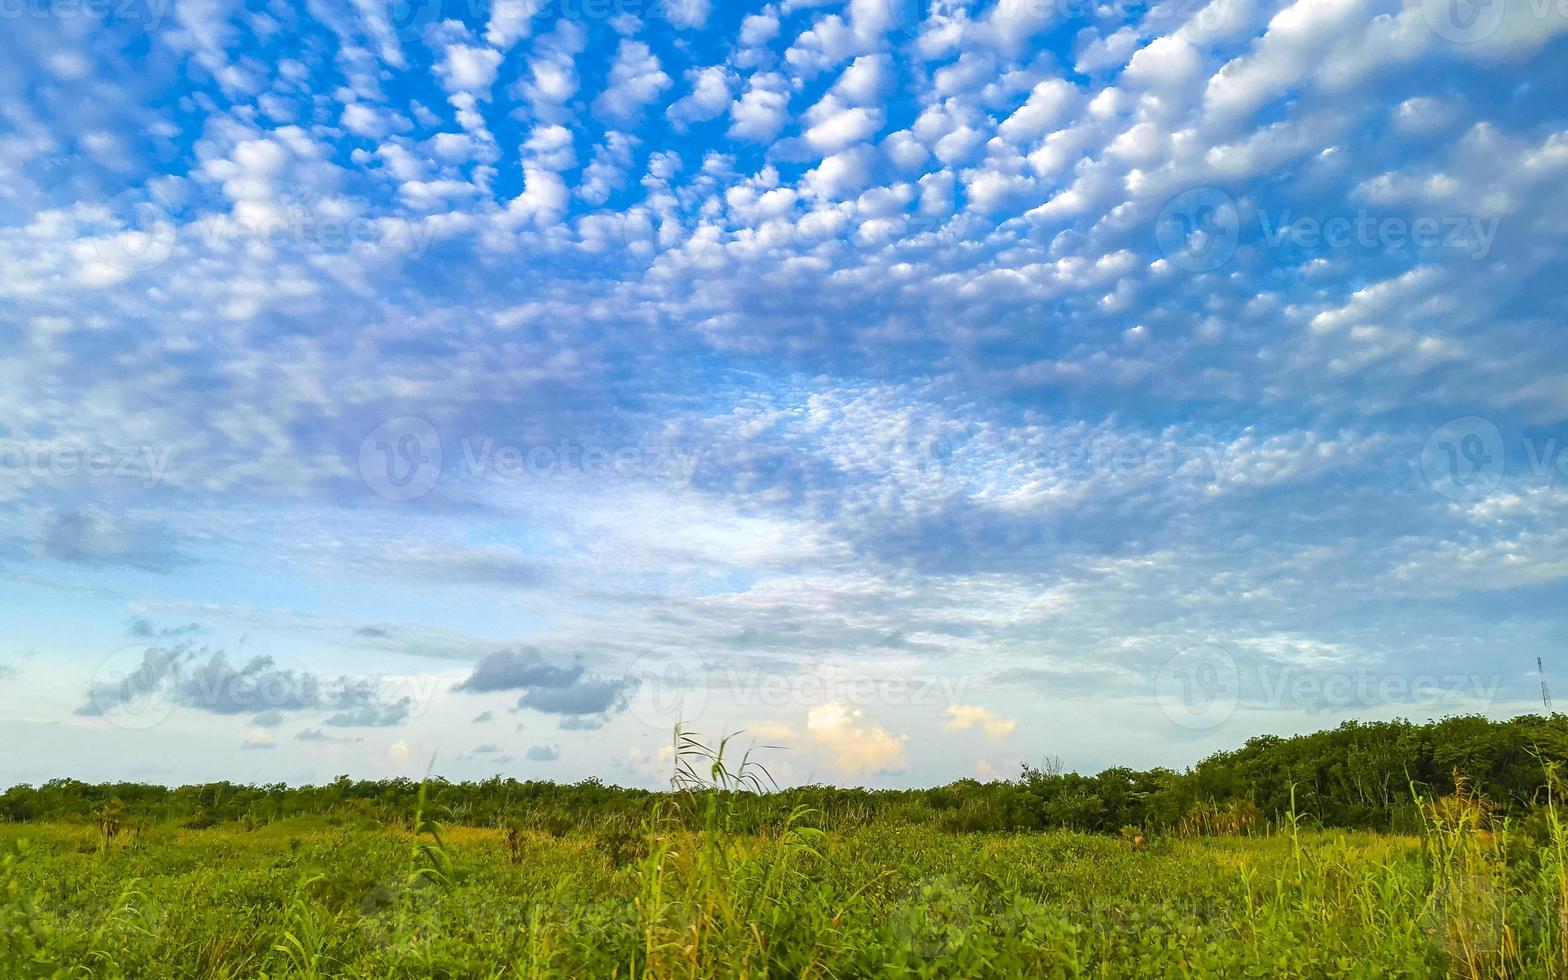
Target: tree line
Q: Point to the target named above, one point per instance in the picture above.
(1359, 775)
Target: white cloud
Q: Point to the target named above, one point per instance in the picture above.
(834, 127)
(840, 174)
(1047, 105)
(69, 65)
(466, 68)
(453, 147)
(544, 197)
(370, 122)
(1011, 25)
(963, 717)
(1423, 114)
(762, 109)
(958, 145)
(606, 173)
(552, 79)
(906, 151)
(635, 80)
(510, 21)
(1293, 46)
(1107, 52)
(1142, 144)
(428, 196)
(936, 193)
(991, 191)
(1166, 63)
(856, 747)
(828, 42)
(708, 98)
(866, 80)
(550, 148)
(758, 29)
(687, 14)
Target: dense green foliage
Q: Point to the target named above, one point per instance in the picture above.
(299, 899)
(1359, 775)
(718, 879)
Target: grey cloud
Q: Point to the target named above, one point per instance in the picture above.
(360, 704)
(511, 670)
(225, 690)
(372, 715)
(143, 629)
(94, 537)
(317, 735)
(489, 753)
(255, 687)
(157, 667)
(543, 753)
(547, 687)
(587, 696)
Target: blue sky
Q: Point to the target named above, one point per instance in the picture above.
(924, 387)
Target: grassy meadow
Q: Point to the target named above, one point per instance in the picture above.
(296, 901)
(698, 887)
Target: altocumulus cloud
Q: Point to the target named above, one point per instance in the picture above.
(853, 249)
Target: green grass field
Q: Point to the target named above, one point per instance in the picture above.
(718, 878)
(302, 899)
